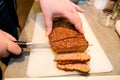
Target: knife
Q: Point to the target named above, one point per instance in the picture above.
(24, 44)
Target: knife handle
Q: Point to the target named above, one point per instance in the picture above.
(22, 44)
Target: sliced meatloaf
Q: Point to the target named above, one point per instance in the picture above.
(69, 58)
(81, 67)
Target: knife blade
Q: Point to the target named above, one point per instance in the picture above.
(24, 44)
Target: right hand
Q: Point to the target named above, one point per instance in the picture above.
(7, 45)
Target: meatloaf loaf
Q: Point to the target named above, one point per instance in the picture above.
(65, 38)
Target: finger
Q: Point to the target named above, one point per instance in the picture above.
(78, 8)
(76, 21)
(3, 51)
(3, 55)
(13, 48)
(48, 22)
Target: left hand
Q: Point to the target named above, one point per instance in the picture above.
(63, 8)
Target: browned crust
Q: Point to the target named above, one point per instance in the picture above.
(61, 32)
(69, 45)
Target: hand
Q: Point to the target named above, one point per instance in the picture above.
(7, 45)
(63, 8)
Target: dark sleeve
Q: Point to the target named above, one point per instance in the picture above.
(8, 18)
(12, 7)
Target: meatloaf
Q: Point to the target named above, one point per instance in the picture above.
(70, 58)
(73, 62)
(81, 67)
(65, 38)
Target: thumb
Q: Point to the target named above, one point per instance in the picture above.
(13, 48)
(78, 8)
(48, 23)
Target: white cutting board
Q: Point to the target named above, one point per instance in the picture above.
(113, 77)
(41, 61)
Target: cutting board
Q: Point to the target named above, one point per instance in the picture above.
(113, 77)
(41, 60)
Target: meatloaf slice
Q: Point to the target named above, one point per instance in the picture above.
(69, 58)
(84, 68)
(65, 38)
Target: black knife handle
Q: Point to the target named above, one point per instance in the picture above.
(22, 44)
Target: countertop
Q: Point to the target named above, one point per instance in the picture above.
(107, 37)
